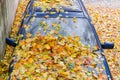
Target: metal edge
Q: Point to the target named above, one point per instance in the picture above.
(11, 67)
(98, 41)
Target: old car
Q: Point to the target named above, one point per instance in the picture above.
(65, 23)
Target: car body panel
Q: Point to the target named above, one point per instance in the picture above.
(85, 30)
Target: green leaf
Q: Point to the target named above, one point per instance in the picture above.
(71, 66)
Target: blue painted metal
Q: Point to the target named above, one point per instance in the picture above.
(11, 42)
(61, 14)
(82, 13)
(108, 45)
(62, 8)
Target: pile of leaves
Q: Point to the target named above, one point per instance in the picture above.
(55, 58)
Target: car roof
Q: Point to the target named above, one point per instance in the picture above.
(64, 11)
(68, 5)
